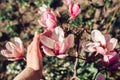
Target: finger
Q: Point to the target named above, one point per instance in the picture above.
(37, 44)
(30, 47)
(36, 41)
(32, 43)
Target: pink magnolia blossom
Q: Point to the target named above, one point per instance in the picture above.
(54, 43)
(111, 60)
(103, 44)
(14, 51)
(48, 20)
(67, 2)
(43, 9)
(100, 76)
(74, 9)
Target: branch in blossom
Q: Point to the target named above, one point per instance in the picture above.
(48, 20)
(74, 10)
(14, 51)
(104, 45)
(55, 44)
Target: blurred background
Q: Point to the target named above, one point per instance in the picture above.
(20, 18)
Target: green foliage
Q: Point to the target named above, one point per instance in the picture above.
(109, 18)
(118, 14)
(89, 22)
(1, 34)
(40, 30)
(54, 68)
(77, 22)
(63, 19)
(86, 71)
(57, 69)
(11, 30)
(108, 3)
(39, 3)
(83, 7)
(15, 68)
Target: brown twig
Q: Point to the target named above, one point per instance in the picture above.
(109, 25)
(77, 57)
(75, 66)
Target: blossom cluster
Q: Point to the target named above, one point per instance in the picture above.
(55, 43)
(104, 45)
(14, 51)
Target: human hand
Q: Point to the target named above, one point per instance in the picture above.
(34, 61)
(34, 55)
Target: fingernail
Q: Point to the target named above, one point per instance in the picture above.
(36, 33)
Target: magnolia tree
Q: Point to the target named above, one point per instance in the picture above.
(57, 43)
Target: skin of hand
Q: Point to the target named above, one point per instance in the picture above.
(33, 70)
(34, 55)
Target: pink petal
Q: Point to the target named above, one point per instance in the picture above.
(48, 42)
(52, 16)
(111, 58)
(100, 50)
(18, 43)
(70, 9)
(67, 43)
(48, 51)
(10, 46)
(70, 40)
(57, 47)
(109, 47)
(47, 33)
(58, 34)
(74, 9)
(106, 59)
(42, 23)
(107, 37)
(10, 56)
(43, 19)
(12, 59)
(7, 53)
(51, 24)
(113, 41)
(89, 46)
(98, 37)
(62, 56)
(18, 53)
(100, 76)
(63, 47)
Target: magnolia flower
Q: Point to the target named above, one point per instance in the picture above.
(102, 44)
(74, 9)
(67, 2)
(100, 76)
(111, 60)
(54, 43)
(43, 9)
(48, 20)
(14, 51)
